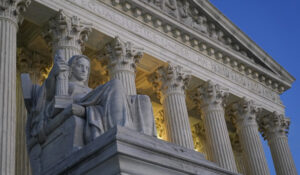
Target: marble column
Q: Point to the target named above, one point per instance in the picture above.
(274, 128)
(219, 150)
(66, 35)
(22, 160)
(245, 112)
(237, 149)
(9, 18)
(173, 82)
(122, 59)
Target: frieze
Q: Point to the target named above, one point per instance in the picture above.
(184, 52)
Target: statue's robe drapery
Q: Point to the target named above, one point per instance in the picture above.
(105, 107)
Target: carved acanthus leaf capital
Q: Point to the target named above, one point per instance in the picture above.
(245, 111)
(13, 9)
(65, 31)
(273, 125)
(123, 55)
(170, 79)
(211, 94)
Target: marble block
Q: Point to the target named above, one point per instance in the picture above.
(124, 151)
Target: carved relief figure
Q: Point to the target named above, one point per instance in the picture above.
(170, 7)
(185, 12)
(158, 3)
(201, 24)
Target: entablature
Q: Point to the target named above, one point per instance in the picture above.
(199, 25)
(205, 64)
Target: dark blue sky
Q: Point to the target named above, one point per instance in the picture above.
(275, 26)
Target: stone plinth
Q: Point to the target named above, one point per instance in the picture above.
(123, 151)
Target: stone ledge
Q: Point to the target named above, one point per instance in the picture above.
(122, 150)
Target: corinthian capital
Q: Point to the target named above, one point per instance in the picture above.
(64, 31)
(211, 94)
(274, 125)
(171, 79)
(123, 55)
(245, 111)
(13, 8)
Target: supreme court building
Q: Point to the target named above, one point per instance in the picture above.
(213, 90)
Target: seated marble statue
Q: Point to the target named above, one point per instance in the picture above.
(102, 108)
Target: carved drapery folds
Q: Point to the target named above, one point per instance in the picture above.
(211, 97)
(274, 128)
(254, 156)
(10, 16)
(122, 59)
(171, 81)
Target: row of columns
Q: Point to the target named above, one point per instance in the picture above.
(67, 35)
(172, 80)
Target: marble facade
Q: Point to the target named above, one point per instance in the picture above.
(212, 89)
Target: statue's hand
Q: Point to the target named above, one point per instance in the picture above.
(75, 109)
(59, 66)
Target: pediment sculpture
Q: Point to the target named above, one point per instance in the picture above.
(65, 114)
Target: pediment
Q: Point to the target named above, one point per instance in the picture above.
(216, 31)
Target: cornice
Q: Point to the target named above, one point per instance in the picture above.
(202, 43)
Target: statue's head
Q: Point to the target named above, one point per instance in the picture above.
(80, 68)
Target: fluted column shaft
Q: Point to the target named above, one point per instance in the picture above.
(122, 59)
(282, 156)
(171, 82)
(275, 128)
(8, 32)
(126, 76)
(256, 163)
(22, 160)
(240, 162)
(219, 146)
(177, 122)
(247, 128)
(219, 150)
(9, 18)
